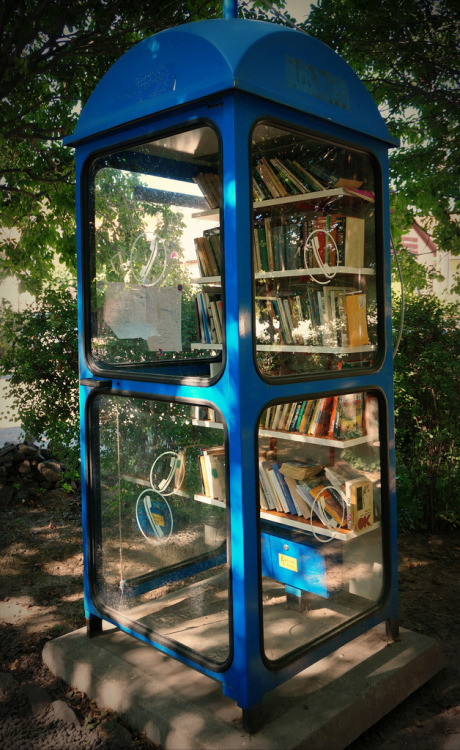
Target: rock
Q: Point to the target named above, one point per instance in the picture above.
(26, 451)
(7, 684)
(7, 460)
(50, 470)
(7, 448)
(38, 698)
(114, 734)
(63, 712)
(25, 467)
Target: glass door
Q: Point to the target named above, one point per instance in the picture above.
(159, 520)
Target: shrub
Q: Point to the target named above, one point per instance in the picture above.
(39, 354)
(427, 373)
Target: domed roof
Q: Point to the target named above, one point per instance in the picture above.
(190, 62)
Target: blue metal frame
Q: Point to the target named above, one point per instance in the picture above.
(240, 393)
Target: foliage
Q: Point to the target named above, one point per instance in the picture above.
(427, 374)
(406, 52)
(39, 355)
(54, 52)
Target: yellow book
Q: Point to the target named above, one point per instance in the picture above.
(356, 314)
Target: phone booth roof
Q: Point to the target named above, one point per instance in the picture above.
(191, 62)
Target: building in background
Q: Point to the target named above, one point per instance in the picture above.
(421, 246)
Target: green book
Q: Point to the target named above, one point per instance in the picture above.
(263, 247)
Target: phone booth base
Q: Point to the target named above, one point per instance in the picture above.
(177, 707)
(236, 375)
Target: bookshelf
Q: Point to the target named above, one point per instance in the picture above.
(309, 298)
(302, 524)
(199, 498)
(297, 198)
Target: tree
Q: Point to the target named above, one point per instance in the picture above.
(406, 52)
(53, 53)
(427, 375)
(39, 354)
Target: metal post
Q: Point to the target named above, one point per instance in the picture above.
(230, 8)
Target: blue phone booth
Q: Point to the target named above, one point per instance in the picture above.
(235, 352)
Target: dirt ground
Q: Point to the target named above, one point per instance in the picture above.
(41, 598)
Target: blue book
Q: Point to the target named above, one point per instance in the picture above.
(285, 489)
(205, 320)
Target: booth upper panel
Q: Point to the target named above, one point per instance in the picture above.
(191, 62)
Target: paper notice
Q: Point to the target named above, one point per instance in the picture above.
(164, 315)
(125, 311)
(150, 313)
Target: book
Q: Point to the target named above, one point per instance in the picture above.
(266, 178)
(263, 247)
(213, 237)
(268, 492)
(351, 415)
(356, 315)
(214, 468)
(325, 502)
(268, 170)
(209, 186)
(273, 486)
(287, 498)
(300, 470)
(269, 244)
(356, 491)
(257, 257)
(303, 507)
(354, 242)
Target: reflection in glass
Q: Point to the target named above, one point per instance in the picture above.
(314, 254)
(160, 516)
(321, 510)
(155, 232)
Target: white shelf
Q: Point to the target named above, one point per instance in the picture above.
(284, 519)
(301, 197)
(315, 349)
(218, 347)
(206, 280)
(298, 348)
(315, 272)
(210, 501)
(325, 441)
(181, 493)
(298, 198)
(208, 423)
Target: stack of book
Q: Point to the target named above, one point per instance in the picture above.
(207, 250)
(339, 417)
(278, 178)
(328, 316)
(208, 313)
(208, 183)
(212, 466)
(309, 497)
(329, 239)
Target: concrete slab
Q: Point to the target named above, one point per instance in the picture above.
(327, 705)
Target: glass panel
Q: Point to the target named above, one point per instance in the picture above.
(320, 507)
(156, 257)
(160, 514)
(314, 255)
